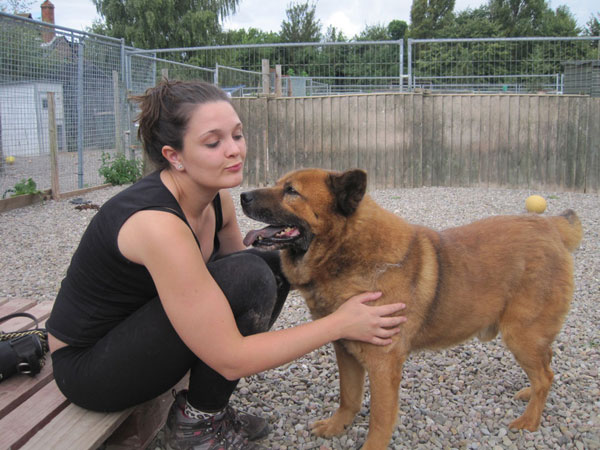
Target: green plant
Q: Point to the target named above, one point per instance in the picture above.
(23, 187)
(120, 170)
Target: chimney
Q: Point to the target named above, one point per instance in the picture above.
(48, 17)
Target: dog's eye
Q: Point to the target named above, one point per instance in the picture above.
(290, 190)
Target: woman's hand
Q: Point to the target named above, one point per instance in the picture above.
(370, 324)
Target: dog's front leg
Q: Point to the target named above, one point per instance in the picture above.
(352, 380)
(384, 377)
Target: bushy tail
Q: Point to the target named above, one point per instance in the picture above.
(570, 229)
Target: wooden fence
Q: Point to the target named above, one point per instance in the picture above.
(547, 142)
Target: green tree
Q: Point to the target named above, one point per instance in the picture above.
(430, 17)
(397, 29)
(334, 35)
(592, 27)
(517, 18)
(161, 23)
(302, 25)
(559, 23)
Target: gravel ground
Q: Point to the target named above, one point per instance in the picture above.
(458, 398)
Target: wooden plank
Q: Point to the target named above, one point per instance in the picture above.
(554, 119)
(362, 160)
(40, 310)
(309, 147)
(520, 159)
(353, 147)
(512, 154)
(141, 426)
(401, 140)
(290, 160)
(273, 141)
(390, 141)
(417, 141)
(592, 176)
(484, 143)
(475, 146)
(282, 149)
(18, 388)
(582, 142)
(371, 144)
(299, 135)
(77, 428)
(32, 415)
(465, 139)
(456, 145)
(15, 305)
(540, 166)
(427, 139)
(335, 163)
(344, 132)
(317, 132)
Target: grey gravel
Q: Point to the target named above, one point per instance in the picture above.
(460, 398)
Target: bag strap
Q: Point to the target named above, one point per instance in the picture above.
(40, 332)
(21, 314)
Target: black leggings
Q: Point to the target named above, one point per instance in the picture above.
(143, 356)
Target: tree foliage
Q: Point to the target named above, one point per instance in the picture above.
(592, 27)
(163, 23)
(429, 17)
(301, 24)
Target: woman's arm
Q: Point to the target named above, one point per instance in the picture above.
(201, 315)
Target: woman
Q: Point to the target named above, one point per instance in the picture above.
(161, 284)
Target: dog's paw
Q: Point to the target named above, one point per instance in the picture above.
(524, 394)
(525, 423)
(327, 427)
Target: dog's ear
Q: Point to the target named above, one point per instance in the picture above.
(348, 189)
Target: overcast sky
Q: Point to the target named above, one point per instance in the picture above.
(350, 16)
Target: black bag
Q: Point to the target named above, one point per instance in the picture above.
(22, 352)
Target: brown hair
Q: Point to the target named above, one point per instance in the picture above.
(165, 113)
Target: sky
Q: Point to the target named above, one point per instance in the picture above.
(351, 16)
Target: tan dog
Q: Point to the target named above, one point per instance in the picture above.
(507, 274)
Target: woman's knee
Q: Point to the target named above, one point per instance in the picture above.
(247, 281)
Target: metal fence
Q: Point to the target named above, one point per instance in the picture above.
(560, 65)
(315, 68)
(91, 77)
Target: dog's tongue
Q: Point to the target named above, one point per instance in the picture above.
(266, 232)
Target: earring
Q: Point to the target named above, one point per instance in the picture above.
(179, 166)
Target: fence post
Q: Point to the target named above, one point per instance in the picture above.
(52, 135)
(117, 106)
(278, 80)
(409, 64)
(266, 77)
(164, 73)
(80, 115)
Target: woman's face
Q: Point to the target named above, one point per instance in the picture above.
(214, 148)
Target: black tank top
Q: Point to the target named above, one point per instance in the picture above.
(102, 287)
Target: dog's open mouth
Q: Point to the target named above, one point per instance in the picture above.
(272, 235)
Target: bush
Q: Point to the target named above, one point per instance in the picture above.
(23, 187)
(120, 170)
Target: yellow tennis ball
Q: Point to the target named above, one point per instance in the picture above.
(535, 204)
(10, 160)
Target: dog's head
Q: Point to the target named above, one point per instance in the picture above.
(303, 204)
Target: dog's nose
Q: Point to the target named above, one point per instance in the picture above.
(246, 198)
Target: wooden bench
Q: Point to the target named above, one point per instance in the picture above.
(34, 414)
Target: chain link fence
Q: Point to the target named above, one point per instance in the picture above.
(91, 76)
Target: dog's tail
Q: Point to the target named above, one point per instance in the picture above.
(570, 229)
